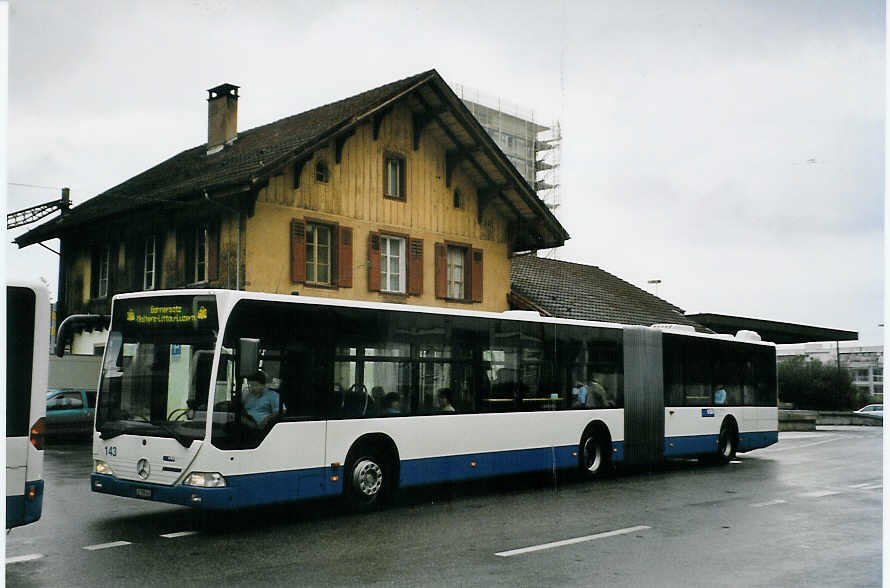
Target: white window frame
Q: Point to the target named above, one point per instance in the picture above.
(392, 252)
(457, 287)
(104, 266)
(312, 260)
(202, 237)
(149, 260)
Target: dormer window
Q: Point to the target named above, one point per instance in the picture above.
(321, 172)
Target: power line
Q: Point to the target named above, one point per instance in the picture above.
(34, 186)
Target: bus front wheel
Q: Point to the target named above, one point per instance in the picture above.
(367, 480)
(726, 443)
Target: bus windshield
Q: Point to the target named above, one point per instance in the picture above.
(156, 370)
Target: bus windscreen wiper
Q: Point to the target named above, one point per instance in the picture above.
(111, 432)
(183, 440)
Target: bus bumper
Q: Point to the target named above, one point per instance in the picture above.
(26, 508)
(210, 498)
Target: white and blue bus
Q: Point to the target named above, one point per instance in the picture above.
(27, 360)
(228, 399)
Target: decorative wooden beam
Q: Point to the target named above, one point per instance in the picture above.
(485, 197)
(377, 120)
(338, 144)
(419, 121)
(298, 170)
(452, 160)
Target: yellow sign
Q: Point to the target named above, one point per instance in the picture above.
(166, 315)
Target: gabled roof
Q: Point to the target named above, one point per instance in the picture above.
(264, 151)
(576, 291)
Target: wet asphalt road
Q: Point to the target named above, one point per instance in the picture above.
(805, 512)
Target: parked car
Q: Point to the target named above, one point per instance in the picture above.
(70, 412)
(875, 410)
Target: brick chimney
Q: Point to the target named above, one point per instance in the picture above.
(222, 117)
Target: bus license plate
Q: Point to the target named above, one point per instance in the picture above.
(143, 492)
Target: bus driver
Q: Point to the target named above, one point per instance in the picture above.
(260, 403)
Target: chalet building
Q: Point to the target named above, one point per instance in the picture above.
(396, 194)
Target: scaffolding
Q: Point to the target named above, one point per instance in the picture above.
(534, 149)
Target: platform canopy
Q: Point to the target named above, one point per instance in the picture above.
(774, 331)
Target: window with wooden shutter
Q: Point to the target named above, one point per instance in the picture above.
(103, 274)
(476, 275)
(213, 251)
(344, 269)
(415, 267)
(441, 268)
(145, 259)
(458, 273)
(297, 251)
(321, 254)
(94, 271)
(374, 262)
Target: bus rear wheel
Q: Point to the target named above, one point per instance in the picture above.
(593, 458)
(367, 480)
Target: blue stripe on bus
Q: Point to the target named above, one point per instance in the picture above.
(702, 444)
(451, 468)
(755, 440)
(20, 510)
(690, 445)
(240, 491)
(273, 487)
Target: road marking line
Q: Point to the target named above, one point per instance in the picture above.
(804, 446)
(872, 487)
(818, 494)
(571, 541)
(21, 558)
(769, 503)
(860, 485)
(735, 461)
(179, 534)
(106, 545)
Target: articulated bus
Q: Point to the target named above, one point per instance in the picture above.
(228, 399)
(27, 360)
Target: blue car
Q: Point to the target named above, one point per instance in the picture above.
(70, 412)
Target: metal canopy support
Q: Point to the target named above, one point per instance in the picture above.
(32, 214)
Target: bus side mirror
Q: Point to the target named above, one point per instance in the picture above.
(248, 356)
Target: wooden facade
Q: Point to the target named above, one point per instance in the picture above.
(351, 199)
(395, 195)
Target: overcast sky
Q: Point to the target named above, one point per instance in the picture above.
(733, 150)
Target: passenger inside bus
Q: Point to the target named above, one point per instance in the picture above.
(391, 404)
(596, 395)
(445, 400)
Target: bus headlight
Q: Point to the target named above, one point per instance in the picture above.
(205, 480)
(102, 468)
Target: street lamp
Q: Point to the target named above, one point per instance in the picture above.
(656, 282)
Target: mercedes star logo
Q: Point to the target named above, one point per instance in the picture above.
(143, 468)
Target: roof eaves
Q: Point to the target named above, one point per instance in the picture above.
(500, 159)
(344, 126)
